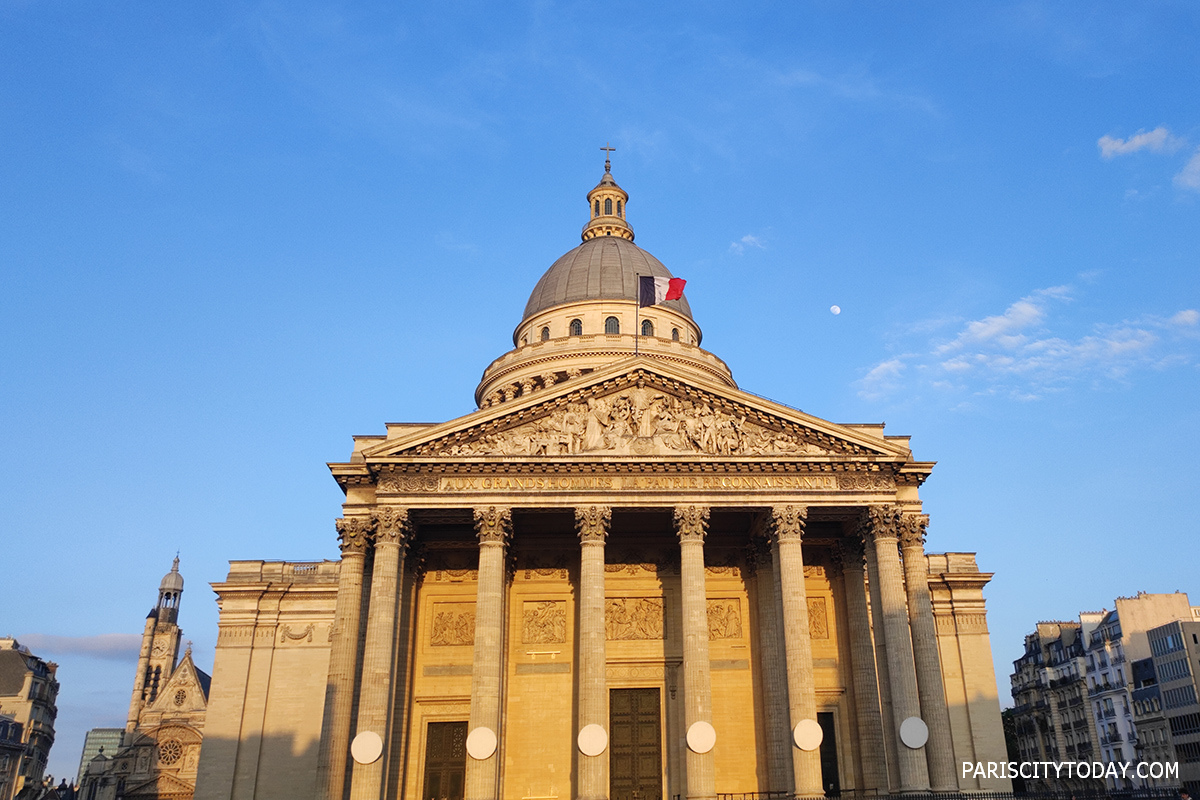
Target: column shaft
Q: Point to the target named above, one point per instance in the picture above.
(493, 527)
(871, 744)
(914, 775)
(593, 686)
(890, 724)
(939, 751)
(378, 669)
(691, 523)
(771, 666)
(334, 751)
(802, 699)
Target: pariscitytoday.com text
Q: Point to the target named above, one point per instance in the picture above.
(1067, 770)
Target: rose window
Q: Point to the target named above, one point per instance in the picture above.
(180, 697)
(170, 751)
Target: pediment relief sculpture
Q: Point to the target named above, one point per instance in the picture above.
(637, 421)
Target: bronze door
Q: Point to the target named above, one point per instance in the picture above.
(445, 761)
(635, 757)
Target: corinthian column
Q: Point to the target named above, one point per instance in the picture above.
(871, 743)
(771, 664)
(375, 700)
(354, 535)
(592, 523)
(939, 751)
(691, 523)
(802, 699)
(493, 527)
(884, 529)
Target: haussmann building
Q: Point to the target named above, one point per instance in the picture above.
(621, 577)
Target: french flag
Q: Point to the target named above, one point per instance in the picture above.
(652, 290)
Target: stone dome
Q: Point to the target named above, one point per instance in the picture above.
(602, 268)
(172, 581)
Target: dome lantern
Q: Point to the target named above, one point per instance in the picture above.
(606, 206)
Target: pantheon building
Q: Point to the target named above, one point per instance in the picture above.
(621, 577)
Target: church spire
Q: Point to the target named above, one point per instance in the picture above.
(606, 205)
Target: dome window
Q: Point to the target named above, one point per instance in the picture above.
(647, 328)
(608, 206)
(545, 334)
(674, 334)
(576, 328)
(597, 209)
(619, 208)
(612, 325)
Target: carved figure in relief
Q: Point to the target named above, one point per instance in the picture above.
(453, 628)
(642, 421)
(724, 619)
(544, 623)
(630, 618)
(818, 620)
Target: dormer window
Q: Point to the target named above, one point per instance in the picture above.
(545, 334)
(647, 326)
(577, 326)
(612, 325)
(608, 206)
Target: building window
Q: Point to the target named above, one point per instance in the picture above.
(619, 214)
(597, 209)
(608, 206)
(647, 328)
(545, 334)
(674, 334)
(577, 326)
(612, 325)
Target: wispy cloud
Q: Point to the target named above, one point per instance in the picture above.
(1158, 140)
(749, 240)
(1028, 350)
(1189, 176)
(114, 646)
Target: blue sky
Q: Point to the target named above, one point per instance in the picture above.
(233, 235)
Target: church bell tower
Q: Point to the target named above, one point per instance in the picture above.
(160, 646)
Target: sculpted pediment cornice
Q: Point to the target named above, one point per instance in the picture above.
(639, 412)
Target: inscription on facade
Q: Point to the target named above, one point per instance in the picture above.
(627, 618)
(605, 483)
(544, 622)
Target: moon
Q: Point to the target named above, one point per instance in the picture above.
(835, 310)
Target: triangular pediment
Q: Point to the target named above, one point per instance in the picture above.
(184, 691)
(162, 785)
(637, 409)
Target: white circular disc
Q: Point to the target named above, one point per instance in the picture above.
(367, 747)
(914, 733)
(592, 740)
(807, 735)
(481, 743)
(701, 737)
(835, 310)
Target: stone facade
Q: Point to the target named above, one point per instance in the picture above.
(621, 577)
(28, 691)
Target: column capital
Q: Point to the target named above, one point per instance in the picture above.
(880, 522)
(493, 525)
(391, 525)
(354, 534)
(592, 523)
(691, 523)
(789, 522)
(850, 552)
(912, 530)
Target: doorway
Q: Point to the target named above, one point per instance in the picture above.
(635, 742)
(445, 761)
